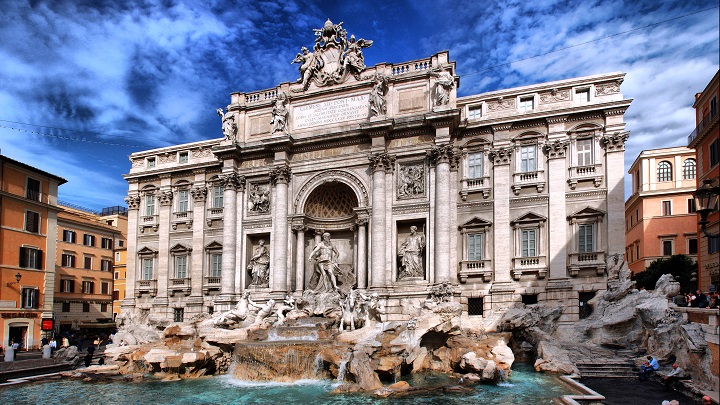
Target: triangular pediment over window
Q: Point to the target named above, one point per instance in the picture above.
(528, 218)
(475, 223)
(147, 251)
(213, 245)
(179, 248)
(585, 213)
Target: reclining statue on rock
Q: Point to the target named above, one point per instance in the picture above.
(286, 306)
(234, 316)
(264, 311)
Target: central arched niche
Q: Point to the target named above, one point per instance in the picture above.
(330, 207)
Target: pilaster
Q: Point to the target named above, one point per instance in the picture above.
(280, 176)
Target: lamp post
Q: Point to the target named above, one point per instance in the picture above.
(17, 279)
(706, 201)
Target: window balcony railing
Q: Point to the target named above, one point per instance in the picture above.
(475, 268)
(179, 285)
(592, 173)
(146, 287)
(213, 214)
(530, 265)
(704, 123)
(529, 179)
(211, 283)
(184, 217)
(475, 185)
(593, 260)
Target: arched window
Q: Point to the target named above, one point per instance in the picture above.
(689, 169)
(664, 171)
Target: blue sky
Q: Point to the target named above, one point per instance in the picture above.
(85, 83)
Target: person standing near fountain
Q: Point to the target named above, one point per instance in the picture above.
(259, 264)
(325, 256)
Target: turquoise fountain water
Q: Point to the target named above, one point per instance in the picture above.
(525, 386)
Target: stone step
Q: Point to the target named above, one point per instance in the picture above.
(609, 368)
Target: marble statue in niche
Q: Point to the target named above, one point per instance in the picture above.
(259, 265)
(411, 255)
(259, 199)
(411, 181)
(325, 256)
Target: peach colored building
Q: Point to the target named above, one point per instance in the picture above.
(660, 218)
(706, 141)
(28, 225)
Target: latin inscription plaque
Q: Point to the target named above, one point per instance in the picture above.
(330, 112)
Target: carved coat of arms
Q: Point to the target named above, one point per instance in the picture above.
(333, 59)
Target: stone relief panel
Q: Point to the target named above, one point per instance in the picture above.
(411, 181)
(259, 198)
(603, 89)
(501, 104)
(555, 96)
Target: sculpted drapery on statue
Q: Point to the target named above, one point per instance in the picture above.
(443, 86)
(411, 253)
(325, 256)
(280, 114)
(333, 59)
(259, 265)
(378, 105)
(229, 126)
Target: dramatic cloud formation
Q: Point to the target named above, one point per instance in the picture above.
(136, 75)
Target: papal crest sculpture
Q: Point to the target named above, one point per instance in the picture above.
(333, 59)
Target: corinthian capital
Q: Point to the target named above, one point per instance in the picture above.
(133, 201)
(198, 193)
(280, 174)
(555, 149)
(165, 197)
(443, 154)
(500, 156)
(382, 161)
(232, 181)
(614, 142)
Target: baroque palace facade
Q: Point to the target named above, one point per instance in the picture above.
(511, 196)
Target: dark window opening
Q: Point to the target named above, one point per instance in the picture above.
(475, 306)
(585, 309)
(529, 299)
(178, 314)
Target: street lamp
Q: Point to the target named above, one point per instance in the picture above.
(17, 279)
(706, 201)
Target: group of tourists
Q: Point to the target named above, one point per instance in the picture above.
(698, 299)
(675, 374)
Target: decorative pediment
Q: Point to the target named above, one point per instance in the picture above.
(180, 248)
(147, 251)
(528, 218)
(213, 245)
(475, 223)
(586, 213)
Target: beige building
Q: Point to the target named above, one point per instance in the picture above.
(514, 195)
(660, 218)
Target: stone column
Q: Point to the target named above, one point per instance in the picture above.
(378, 164)
(361, 252)
(133, 203)
(199, 195)
(501, 157)
(232, 183)
(280, 176)
(557, 216)
(614, 145)
(441, 157)
(165, 270)
(299, 256)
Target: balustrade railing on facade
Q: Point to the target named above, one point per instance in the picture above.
(146, 287)
(475, 268)
(528, 265)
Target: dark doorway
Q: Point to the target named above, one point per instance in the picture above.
(585, 309)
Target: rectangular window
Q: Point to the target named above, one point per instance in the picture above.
(30, 258)
(32, 191)
(529, 299)
(666, 208)
(475, 246)
(116, 295)
(65, 307)
(121, 243)
(528, 243)
(88, 240)
(87, 263)
(585, 238)
(475, 306)
(69, 236)
(88, 287)
(527, 159)
(183, 201)
(215, 264)
(104, 288)
(584, 152)
(178, 314)
(182, 157)
(475, 165)
(67, 285)
(147, 269)
(475, 112)
(150, 163)
(692, 246)
(68, 260)
(582, 95)
(117, 256)
(637, 252)
(526, 104)
(103, 307)
(86, 307)
(149, 205)
(32, 222)
(218, 192)
(713, 245)
(667, 248)
(117, 275)
(30, 298)
(713, 107)
(713, 153)
(106, 243)
(691, 206)
(181, 266)
(105, 265)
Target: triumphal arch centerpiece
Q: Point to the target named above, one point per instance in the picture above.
(380, 179)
